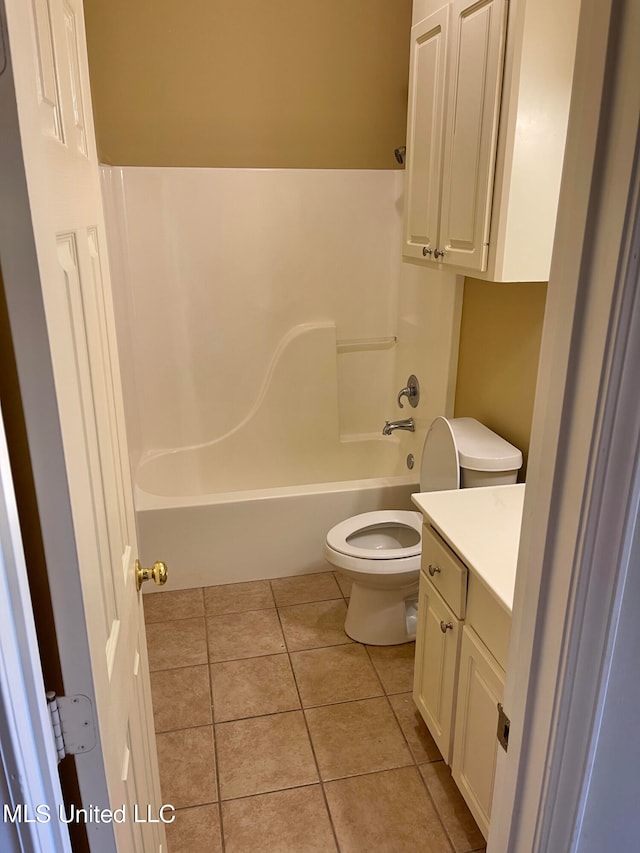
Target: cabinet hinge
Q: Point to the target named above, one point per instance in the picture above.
(71, 723)
(504, 724)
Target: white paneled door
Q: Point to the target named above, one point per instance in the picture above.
(47, 46)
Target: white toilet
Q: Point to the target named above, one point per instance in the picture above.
(380, 551)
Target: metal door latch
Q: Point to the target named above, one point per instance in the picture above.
(504, 724)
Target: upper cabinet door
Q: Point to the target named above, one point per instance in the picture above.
(476, 52)
(427, 66)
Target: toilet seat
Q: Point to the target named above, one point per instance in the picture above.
(338, 537)
(380, 552)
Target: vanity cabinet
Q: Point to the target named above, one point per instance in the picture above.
(442, 602)
(462, 642)
(489, 91)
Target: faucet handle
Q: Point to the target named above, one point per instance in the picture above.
(411, 392)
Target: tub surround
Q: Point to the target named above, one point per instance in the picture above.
(214, 268)
(290, 436)
(482, 526)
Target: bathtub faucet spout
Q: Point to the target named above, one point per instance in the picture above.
(406, 423)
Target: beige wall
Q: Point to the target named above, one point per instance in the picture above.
(500, 338)
(248, 83)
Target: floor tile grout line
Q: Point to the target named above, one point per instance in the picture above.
(257, 716)
(215, 739)
(368, 773)
(184, 728)
(265, 655)
(312, 601)
(416, 762)
(406, 740)
(320, 783)
(419, 772)
(178, 618)
(344, 595)
(273, 791)
(441, 819)
(417, 767)
(209, 615)
(374, 667)
(286, 648)
(313, 751)
(175, 619)
(436, 809)
(177, 668)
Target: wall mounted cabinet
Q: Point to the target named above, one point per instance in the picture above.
(457, 55)
(489, 90)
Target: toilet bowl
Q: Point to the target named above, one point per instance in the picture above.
(380, 551)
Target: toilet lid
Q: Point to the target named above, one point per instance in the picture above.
(381, 531)
(440, 469)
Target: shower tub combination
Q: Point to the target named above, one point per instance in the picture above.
(258, 501)
(269, 324)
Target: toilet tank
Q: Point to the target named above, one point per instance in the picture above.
(485, 458)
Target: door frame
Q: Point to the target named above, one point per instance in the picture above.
(27, 754)
(581, 507)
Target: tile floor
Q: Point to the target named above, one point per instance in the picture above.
(278, 734)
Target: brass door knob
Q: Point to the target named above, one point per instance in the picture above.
(158, 573)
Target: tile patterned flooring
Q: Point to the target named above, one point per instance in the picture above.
(278, 734)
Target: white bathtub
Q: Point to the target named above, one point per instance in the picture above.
(257, 501)
(251, 535)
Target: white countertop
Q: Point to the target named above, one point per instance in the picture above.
(483, 527)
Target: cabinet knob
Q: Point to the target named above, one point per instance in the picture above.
(446, 626)
(426, 251)
(439, 253)
(434, 570)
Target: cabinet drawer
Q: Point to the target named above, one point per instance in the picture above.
(445, 571)
(489, 620)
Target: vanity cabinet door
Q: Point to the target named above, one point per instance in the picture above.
(480, 688)
(436, 665)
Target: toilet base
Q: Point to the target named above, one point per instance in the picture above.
(378, 617)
